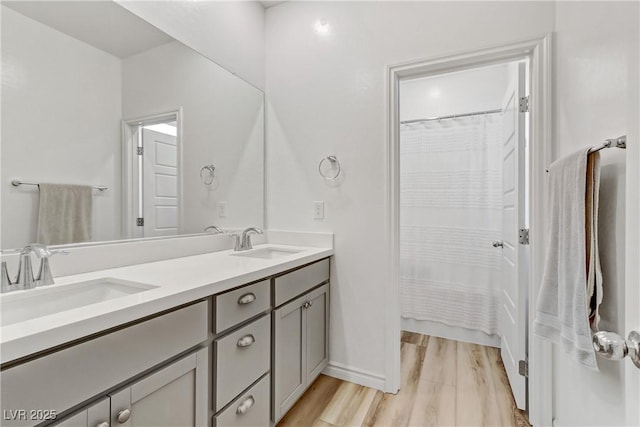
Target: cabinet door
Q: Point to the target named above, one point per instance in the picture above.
(289, 359)
(317, 331)
(175, 396)
(96, 415)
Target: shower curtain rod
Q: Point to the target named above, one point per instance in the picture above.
(452, 116)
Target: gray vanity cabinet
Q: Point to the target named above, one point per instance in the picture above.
(96, 415)
(301, 347)
(143, 360)
(173, 396)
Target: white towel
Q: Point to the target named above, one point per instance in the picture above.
(572, 273)
(64, 214)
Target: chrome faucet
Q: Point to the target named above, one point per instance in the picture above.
(243, 241)
(215, 228)
(25, 278)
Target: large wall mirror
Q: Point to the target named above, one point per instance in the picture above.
(127, 132)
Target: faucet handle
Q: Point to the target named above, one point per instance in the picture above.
(6, 280)
(44, 274)
(238, 242)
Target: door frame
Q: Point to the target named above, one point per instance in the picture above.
(539, 52)
(130, 182)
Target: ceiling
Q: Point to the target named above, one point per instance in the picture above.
(104, 25)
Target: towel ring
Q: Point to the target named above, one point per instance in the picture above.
(334, 163)
(207, 174)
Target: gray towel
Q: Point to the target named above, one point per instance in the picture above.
(64, 214)
(571, 285)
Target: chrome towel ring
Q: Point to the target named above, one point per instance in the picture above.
(207, 174)
(335, 164)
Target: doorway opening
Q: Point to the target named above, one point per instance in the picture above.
(520, 190)
(463, 210)
(152, 178)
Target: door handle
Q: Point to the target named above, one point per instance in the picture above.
(497, 244)
(612, 346)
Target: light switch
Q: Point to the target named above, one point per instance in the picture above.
(222, 209)
(318, 210)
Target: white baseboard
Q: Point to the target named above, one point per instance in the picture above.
(355, 375)
(437, 329)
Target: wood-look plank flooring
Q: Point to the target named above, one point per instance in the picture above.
(444, 383)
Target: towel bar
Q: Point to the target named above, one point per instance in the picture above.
(619, 142)
(612, 346)
(17, 182)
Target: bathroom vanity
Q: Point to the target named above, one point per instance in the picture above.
(220, 339)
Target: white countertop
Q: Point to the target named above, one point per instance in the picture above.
(179, 281)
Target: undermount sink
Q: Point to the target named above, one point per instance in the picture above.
(267, 253)
(40, 302)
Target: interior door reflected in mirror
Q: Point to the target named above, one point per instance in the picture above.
(81, 94)
(152, 201)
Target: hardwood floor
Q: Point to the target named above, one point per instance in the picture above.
(444, 383)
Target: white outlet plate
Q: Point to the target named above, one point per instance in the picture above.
(222, 209)
(318, 210)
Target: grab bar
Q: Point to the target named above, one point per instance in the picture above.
(612, 346)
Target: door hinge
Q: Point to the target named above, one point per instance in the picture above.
(140, 222)
(523, 368)
(140, 151)
(524, 104)
(523, 237)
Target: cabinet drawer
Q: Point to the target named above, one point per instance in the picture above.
(251, 409)
(89, 368)
(240, 359)
(241, 304)
(300, 281)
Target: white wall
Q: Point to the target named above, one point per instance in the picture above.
(230, 33)
(327, 95)
(597, 77)
(57, 92)
(223, 124)
(461, 92)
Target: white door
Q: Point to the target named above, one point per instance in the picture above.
(513, 319)
(160, 184)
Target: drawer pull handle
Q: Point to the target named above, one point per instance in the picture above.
(247, 298)
(246, 340)
(245, 405)
(123, 416)
(103, 424)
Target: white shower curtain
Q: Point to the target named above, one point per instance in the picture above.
(450, 213)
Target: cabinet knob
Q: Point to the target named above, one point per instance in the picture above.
(245, 405)
(247, 298)
(497, 244)
(307, 304)
(103, 424)
(246, 340)
(123, 416)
